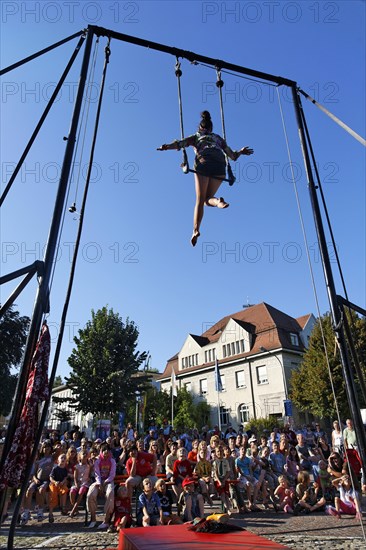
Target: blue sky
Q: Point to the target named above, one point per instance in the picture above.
(136, 255)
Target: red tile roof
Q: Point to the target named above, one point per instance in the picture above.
(270, 328)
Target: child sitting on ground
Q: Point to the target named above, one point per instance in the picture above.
(58, 487)
(149, 510)
(348, 500)
(122, 510)
(190, 502)
(326, 487)
(308, 496)
(166, 501)
(285, 494)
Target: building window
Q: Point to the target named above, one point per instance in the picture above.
(224, 416)
(262, 377)
(182, 362)
(222, 378)
(188, 386)
(196, 358)
(228, 350)
(240, 379)
(203, 386)
(210, 355)
(237, 347)
(244, 413)
(224, 351)
(233, 348)
(294, 339)
(242, 346)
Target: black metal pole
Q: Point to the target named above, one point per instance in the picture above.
(38, 435)
(191, 56)
(329, 281)
(41, 302)
(41, 120)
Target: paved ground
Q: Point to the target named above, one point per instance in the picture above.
(301, 533)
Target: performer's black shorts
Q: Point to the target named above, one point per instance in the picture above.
(210, 163)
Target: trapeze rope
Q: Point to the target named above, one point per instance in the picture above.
(65, 309)
(307, 250)
(323, 199)
(353, 348)
(313, 282)
(90, 79)
(87, 103)
(220, 84)
(185, 163)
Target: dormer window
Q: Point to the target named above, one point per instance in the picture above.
(294, 339)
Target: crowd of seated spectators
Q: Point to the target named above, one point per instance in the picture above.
(173, 474)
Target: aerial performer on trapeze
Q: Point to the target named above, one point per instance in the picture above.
(209, 167)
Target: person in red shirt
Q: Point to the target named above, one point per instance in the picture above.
(138, 466)
(122, 510)
(192, 455)
(182, 468)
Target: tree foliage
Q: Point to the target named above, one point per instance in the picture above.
(105, 365)
(13, 334)
(311, 388)
(261, 425)
(157, 407)
(57, 381)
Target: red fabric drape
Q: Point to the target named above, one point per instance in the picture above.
(37, 391)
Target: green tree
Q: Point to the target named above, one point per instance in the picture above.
(157, 407)
(311, 388)
(184, 410)
(202, 414)
(260, 425)
(105, 365)
(13, 334)
(57, 381)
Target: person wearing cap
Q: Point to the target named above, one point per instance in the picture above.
(190, 502)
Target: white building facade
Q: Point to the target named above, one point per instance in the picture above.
(256, 349)
(83, 420)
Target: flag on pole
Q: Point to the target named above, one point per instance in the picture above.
(174, 384)
(218, 383)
